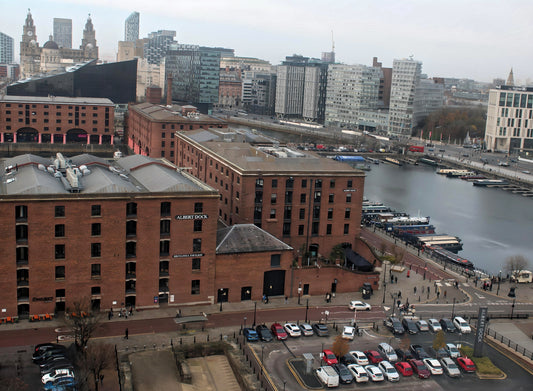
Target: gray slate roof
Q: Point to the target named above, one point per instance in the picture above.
(247, 238)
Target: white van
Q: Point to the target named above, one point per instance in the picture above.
(328, 376)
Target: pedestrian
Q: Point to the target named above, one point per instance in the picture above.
(414, 289)
(399, 294)
(395, 279)
(264, 298)
(102, 379)
(126, 333)
(110, 315)
(445, 293)
(438, 294)
(286, 299)
(399, 303)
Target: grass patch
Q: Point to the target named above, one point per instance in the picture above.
(483, 364)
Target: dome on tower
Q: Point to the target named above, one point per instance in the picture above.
(50, 44)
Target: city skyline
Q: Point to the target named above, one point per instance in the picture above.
(452, 39)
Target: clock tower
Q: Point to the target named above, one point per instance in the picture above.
(30, 53)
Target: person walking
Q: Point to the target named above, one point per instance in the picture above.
(126, 334)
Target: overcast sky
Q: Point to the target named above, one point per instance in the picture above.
(475, 39)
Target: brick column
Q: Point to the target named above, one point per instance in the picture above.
(40, 138)
(100, 140)
(88, 139)
(112, 139)
(1, 137)
(51, 138)
(64, 139)
(14, 137)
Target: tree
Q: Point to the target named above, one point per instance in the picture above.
(82, 322)
(340, 346)
(439, 341)
(383, 247)
(515, 264)
(93, 361)
(337, 252)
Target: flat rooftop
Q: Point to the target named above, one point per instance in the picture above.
(251, 153)
(31, 175)
(173, 113)
(57, 100)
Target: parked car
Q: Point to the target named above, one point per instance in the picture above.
(447, 325)
(321, 329)
(42, 355)
(433, 365)
(65, 363)
(420, 369)
(450, 367)
(403, 355)
(409, 325)
(264, 333)
(452, 350)
(374, 373)
(441, 353)
(348, 359)
(278, 331)
(51, 359)
(348, 332)
(61, 384)
(389, 372)
(358, 373)
(466, 364)
(461, 325)
(329, 357)
(404, 368)
(360, 357)
(394, 325)
(345, 376)
(42, 347)
(306, 329)
(418, 351)
(373, 356)
(292, 329)
(434, 325)
(387, 351)
(357, 305)
(250, 334)
(328, 376)
(422, 325)
(56, 374)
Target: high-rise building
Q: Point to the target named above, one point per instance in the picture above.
(259, 92)
(63, 32)
(131, 27)
(6, 49)
(405, 79)
(429, 97)
(157, 45)
(351, 90)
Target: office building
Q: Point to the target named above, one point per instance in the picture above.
(509, 127)
(63, 32)
(429, 97)
(7, 47)
(131, 27)
(156, 47)
(405, 78)
(259, 92)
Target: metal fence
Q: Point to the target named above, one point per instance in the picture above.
(510, 344)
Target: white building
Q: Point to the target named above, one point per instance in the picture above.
(290, 90)
(509, 125)
(405, 78)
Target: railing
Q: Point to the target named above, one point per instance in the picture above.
(510, 344)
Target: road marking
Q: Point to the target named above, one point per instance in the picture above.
(479, 296)
(439, 284)
(447, 284)
(465, 284)
(367, 333)
(386, 308)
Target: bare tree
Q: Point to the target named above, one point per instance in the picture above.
(383, 247)
(82, 322)
(340, 346)
(93, 361)
(515, 264)
(439, 341)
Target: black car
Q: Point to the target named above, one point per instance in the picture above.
(403, 355)
(40, 350)
(38, 358)
(394, 325)
(348, 359)
(61, 364)
(49, 360)
(447, 325)
(345, 376)
(409, 325)
(419, 352)
(264, 333)
(321, 329)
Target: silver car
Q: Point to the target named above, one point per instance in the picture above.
(450, 367)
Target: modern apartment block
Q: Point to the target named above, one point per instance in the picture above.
(509, 125)
(157, 45)
(63, 32)
(429, 97)
(131, 27)
(405, 78)
(351, 90)
(259, 92)
(7, 47)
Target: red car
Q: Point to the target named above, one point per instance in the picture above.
(278, 331)
(466, 364)
(420, 369)
(373, 356)
(329, 358)
(404, 368)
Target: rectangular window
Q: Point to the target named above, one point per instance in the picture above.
(318, 183)
(164, 247)
(259, 183)
(328, 229)
(164, 227)
(275, 260)
(96, 270)
(198, 207)
(331, 183)
(331, 198)
(274, 183)
(96, 250)
(272, 213)
(300, 230)
(96, 229)
(197, 225)
(60, 292)
(165, 208)
(330, 213)
(348, 197)
(302, 213)
(197, 245)
(289, 183)
(195, 287)
(318, 196)
(131, 249)
(347, 213)
(21, 212)
(350, 183)
(316, 212)
(273, 198)
(288, 197)
(60, 230)
(59, 211)
(346, 229)
(60, 272)
(286, 229)
(303, 198)
(59, 251)
(287, 215)
(314, 228)
(95, 291)
(304, 183)
(196, 263)
(96, 210)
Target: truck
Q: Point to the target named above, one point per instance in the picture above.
(416, 148)
(328, 376)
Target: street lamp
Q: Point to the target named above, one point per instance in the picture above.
(499, 280)
(512, 308)
(384, 280)
(306, 309)
(453, 308)
(394, 298)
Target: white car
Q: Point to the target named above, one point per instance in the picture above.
(452, 350)
(434, 325)
(57, 374)
(461, 325)
(358, 373)
(348, 332)
(422, 325)
(360, 357)
(292, 329)
(306, 329)
(433, 365)
(389, 371)
(387, 351)
(374, 373)
(358, 305)
(450, 367)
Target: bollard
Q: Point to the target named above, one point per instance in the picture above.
(181, 341)
(207, 337)
(221, 337)
(419, 299)
(154, 346)
(194, 339)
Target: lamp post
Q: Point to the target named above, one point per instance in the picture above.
(255, 312)
(394, 298)
(244, 322)
(306, 309)
(299, 292)
(499, 280)
(220, 297)
(384, 280)
(453, 308)
(512, 308)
